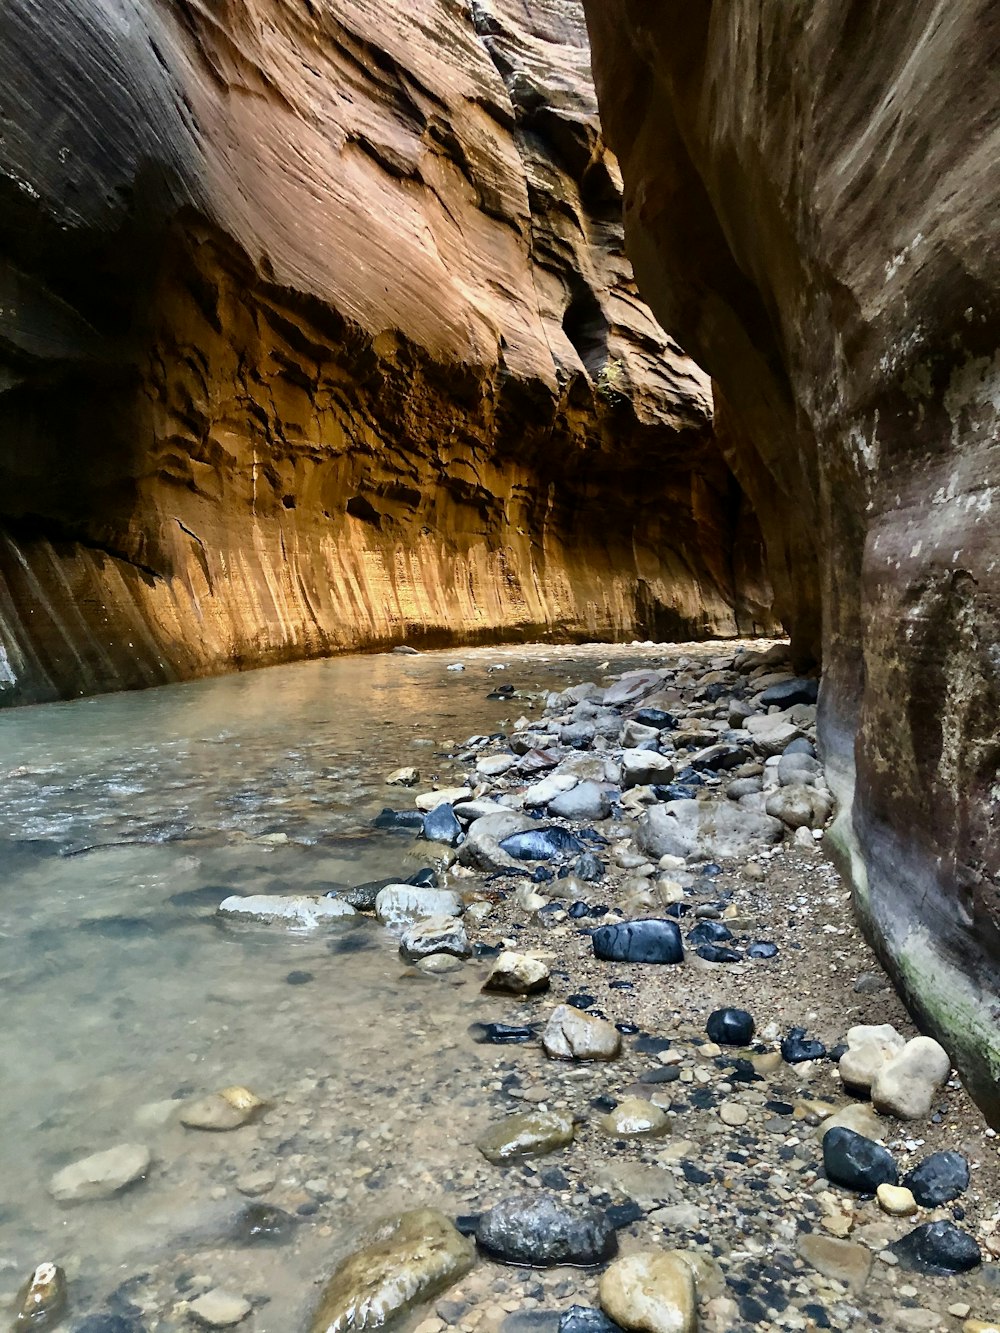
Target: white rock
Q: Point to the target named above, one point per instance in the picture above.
(717, 829)
(771, 732)
(398, 905)
(571, 1034)
(652, 1291)
(799, 806)
(517, 974)
(869, 1047)
(493, 765)
(432, 935)
(430, 800)
(403, 777)
(907, 1085)
(640, 767)
(219, 1309)
(102, 1175)
(547, 789)
(301, 912)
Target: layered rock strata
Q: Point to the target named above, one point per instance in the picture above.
(809, 208)
(316, 333)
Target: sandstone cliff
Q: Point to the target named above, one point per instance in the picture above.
(316, 332)
(810, 206)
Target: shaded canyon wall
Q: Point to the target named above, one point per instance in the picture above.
(811, 208)
(316, 332)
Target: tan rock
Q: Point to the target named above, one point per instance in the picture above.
(907, 1084)
(571, 1034)
(868, 1049)
(652, 1291)
(896, 1200)
(220, 1111)
(843, 1260)
(102, 1175)
(517, 974)
(635, 1118)
(529, 1134)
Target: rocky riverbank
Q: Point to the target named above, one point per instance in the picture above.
(643, 1138)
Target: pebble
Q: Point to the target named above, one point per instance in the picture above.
(634, 1118)
(938, 1247)
(938, 1179)
(219, 1308)
(653, 1291)
(102, 1175)
(733, 1114)
(540, 1231)
(896, 1200)
(571, 1034)
(858, 1163)
(796, 1048)
(221, 1111)
(517, 974)
(844, 1260)
(530, 1134)
(731, 1027)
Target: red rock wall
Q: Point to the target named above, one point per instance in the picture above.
(316, 333)
(810, 207)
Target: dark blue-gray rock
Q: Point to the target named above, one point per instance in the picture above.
(650, 940)
(939, 1248)
(939, 1178)
(800, 746)
(654, 717)
(789, 692)
(857, 1163)
(718, 953)
(762, 949)
(541, 844)
(398, 819)
(588, 867)
(709, 932)
(540, 1230)
(796, 1048)
(110, 1323)
(500, 1034)
(442, 825)
(731, 1027)
(586, 1319)
(263, 1224)
(362, 896)
(425, 878)
(661, 1074)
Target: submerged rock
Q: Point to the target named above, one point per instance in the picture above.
(653, 1290)
(938, 1247)
(540, 1231)
(263, 1224)
(219, 1308)
(529, 1134)
(635, 1118)
(102, 1175)
(299, 911)
(409, 1259)
(41, 1302)
(400, 905)
(434, 935)
(220, 1111)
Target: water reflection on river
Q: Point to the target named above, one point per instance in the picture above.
(126, 819)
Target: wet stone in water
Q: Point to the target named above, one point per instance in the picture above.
(938, 1247)
(263, 1224)
(41, 1302)
(500, 1034)
(540, 1230)
(530, 1134)
(587, 1319)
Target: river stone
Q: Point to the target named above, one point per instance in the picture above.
(939, 1248)
(220, 1309)
(430, 800)
(499, 825)
(541, 1231)
(529, 1134)
(843, 1260)
(541, 844)
(517, 974)
(587, 800)
(298, 911)
(771, 732)
(403, 777)
(434, 935)
(410, 1258)
(42, 1300)
(858, 1116)
(652, 1291)
(439, 964)
(399, 905)
(640, 767)
(869, 1047)
(858, 1163)
(938, 1179)
(731, 1027)
(571, 1034)
(547, 789)
(717, 829)
(632, 686)
(799, 806)
(634, 1118)
(907, 1085)
(493, 765)
(441, 825)
(587, 1319)
(102, 1175)
(896, 1200)
(649, 940)
(225, 1110)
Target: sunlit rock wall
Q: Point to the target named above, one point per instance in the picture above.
(316, 333)
(811, 208)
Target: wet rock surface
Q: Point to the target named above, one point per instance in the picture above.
(541, 1230)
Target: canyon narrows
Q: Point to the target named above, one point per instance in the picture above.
(317, 333)
(810, 206)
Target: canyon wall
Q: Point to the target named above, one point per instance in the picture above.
(316, 333)
(811, 208)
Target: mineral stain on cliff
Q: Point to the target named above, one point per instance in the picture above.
(317, 333)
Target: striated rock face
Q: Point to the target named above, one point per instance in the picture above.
(809, 194)
(316, 333)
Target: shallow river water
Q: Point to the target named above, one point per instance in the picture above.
(126, 820)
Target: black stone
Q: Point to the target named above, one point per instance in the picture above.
(361, 896)
(604, 1103)
(581, 1000)
(652, 940)
(790, 692)
(553, 1178)
(762, 949)
(624, 1214)
(586, 1319)
(627, 1029)
(540, 1231)
(499, 1034)
(718, 953)
(442, 825)
(858, 1163)
(398, 819)
(425, 878)
(263, 1224)
(299, 978)
(620, 985)
(673, 791)
(654, 717)
(939, 1178)
(797, 1047)
(647, 1044)
(731, 1027)
(541, 875)
(938, 1247)
(541, 844)
(466, 1223)
(661, 1074)
(483, 950)
(588, 867)
(709, 932)
(578, 909)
